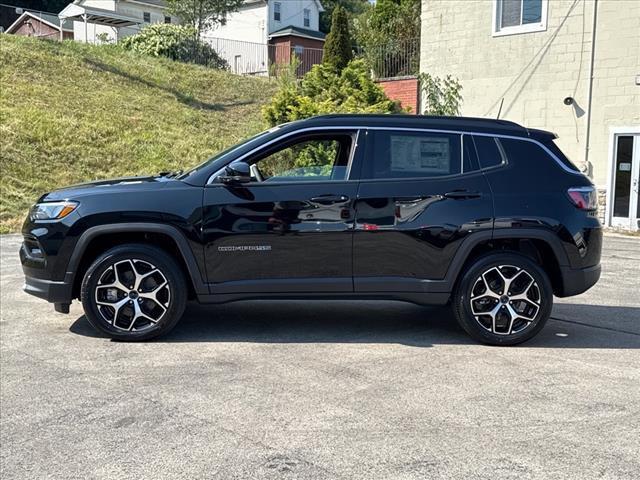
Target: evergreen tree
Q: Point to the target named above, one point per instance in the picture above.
(337, 48)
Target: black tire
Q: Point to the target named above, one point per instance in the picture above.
(477, 326)
(168, 310)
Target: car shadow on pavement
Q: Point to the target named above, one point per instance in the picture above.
(375, 322)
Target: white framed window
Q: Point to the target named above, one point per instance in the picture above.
(276, 11)
(167, 19)
(146, 17)
(519, 16)
(306, 17)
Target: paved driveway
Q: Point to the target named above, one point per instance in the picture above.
(324, 390)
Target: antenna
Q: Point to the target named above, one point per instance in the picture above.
(500, 109)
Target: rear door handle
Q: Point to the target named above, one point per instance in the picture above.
(462, 194)
(329, 199)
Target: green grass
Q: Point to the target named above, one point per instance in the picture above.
(71, 112)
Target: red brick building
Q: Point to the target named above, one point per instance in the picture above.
(41, 25)
(304, 43)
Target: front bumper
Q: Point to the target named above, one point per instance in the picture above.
(578, 280)
(54, 292)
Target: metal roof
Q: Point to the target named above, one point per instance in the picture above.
(98, 16)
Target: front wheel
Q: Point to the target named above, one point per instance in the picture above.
(134, 292)
(503, 299)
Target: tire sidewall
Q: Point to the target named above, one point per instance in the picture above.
(463, 292)
(160, 260)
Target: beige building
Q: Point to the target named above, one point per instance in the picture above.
(569, 66)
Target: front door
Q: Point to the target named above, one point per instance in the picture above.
(290, 229)
(625, 206)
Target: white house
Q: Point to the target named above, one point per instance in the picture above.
(98, 20)
(269, 31)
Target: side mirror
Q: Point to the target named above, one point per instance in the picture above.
(236, 172)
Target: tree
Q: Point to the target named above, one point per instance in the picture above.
(337, 47)
(203, 14)
(324, 90)
(353, 8)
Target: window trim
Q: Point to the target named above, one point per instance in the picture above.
(167, 19)
(260, 150)
(361, 128)
(497, 31)
(277, 9)
(144, 17)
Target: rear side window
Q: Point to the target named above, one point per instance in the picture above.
(489, 150)
(526, 153)
(561, 156)
(397, 154)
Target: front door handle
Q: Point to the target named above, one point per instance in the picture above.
(329, 199)
(462, 194)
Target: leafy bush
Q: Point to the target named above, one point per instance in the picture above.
(177, 42)
(323, 90)
(441, 96)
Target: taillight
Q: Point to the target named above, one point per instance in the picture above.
(585, 198)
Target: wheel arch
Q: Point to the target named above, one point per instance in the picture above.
(98, 239)
(542, 246)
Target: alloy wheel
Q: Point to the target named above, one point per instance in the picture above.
(505, 300)
(132, 295)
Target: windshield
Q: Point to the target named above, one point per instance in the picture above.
(224, 154)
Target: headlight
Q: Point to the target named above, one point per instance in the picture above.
(52, 210)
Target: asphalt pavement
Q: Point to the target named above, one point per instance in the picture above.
(323, 390)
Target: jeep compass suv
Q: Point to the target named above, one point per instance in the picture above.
(486, 215)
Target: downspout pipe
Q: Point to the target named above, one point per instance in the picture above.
(590, 91)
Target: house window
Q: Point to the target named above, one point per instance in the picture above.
(146, 17)
(307, 17)
(276, 11)
(298, 49)
(167, 19)
(519, 16)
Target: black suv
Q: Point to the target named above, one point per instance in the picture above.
(485, 214)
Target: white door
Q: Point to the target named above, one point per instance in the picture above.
(626, 182)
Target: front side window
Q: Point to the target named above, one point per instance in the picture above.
(519, 16)
(307, 17)
(317, 158)
(146, 17)
(276, 11)
(413, 155)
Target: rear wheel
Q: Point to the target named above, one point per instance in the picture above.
(134, 292)
(503, 299)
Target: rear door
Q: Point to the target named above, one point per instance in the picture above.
(291, 228)
(421, 194)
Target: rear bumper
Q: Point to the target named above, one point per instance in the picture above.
(578, 280)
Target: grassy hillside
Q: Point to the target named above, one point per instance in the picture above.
(71, 112)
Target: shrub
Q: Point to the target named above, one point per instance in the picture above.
(177, 42)
(337, 48)
(323, 90)
(441, 96)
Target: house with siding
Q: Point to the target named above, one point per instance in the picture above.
(263, 32)
(95, 21)
(569, 66)
(40, 25)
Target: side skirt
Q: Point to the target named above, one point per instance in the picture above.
(433, 298)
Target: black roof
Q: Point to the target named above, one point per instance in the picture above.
(464, 124)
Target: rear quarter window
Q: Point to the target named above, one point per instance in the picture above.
(490, 153)
(529, 154)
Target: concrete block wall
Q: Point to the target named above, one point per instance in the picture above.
(532, 73)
